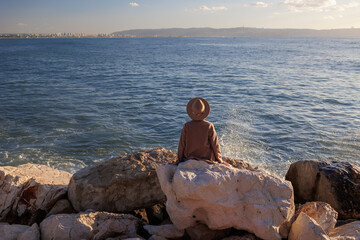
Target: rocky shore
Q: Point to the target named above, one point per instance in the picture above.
(143, 196)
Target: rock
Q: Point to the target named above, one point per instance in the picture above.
(136, 238)
(350, 231)
(121, 238)
(19, 232)
(236, 163)
(61, 206)
(32, 233)
(89, 225)
(201, 231)
(337, 183)
(305, 228)
(167, 231)
(120, 184)
(157, 214)
(155, 237)
(224, 197)
(322, 213)
(246, 236)
(29, 191)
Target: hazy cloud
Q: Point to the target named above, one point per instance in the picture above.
(308, 5)
(134, 4)
(333, 17)
(213, 9)
(343, 7)
(260, 4)
(22, 24)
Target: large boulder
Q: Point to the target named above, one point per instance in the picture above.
(29, 191)
(19, 232)
(166, 231)
(224, 197)
(322, 213)
(120, 184)
(201, 231)
(350, 231)
(89, 225)
(337, 183)
(305, 228)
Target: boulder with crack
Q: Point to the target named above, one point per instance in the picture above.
(120, 184)
(29, 191)
(224, 197)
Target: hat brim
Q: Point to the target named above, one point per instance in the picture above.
(194, 116)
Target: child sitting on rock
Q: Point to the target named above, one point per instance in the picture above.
(198, 140)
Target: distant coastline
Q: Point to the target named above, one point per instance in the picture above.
(201, 32)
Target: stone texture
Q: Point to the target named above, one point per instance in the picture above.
(223, 197)
(19, 232)
(29, 191)
(236, 163)
(120, 184)
(155, 237)
(167, 231)
(89, 225)
(32, 233)
(322, 213)
(157, 214)
(350, 231)
(337, 183)
(305, 228)
(61, 206)
(201, 231)
(246, 236)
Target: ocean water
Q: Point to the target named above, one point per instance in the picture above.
(68, 103)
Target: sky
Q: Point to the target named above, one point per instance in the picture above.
(107, 16)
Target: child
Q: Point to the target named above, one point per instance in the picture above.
(198, 138)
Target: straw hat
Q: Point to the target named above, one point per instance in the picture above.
(198, 108)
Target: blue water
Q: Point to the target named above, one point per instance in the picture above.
(69, 103)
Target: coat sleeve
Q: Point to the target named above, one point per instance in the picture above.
(214, 142)
(181, 147)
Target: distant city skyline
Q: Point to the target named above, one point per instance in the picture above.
(107, 16)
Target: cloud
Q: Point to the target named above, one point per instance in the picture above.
(333, 17)
(134, 4)
(309, 5)
(213, 9)
(260, 4)
(343, 7)
(22, 24)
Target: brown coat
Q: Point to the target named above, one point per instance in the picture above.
(199, 141)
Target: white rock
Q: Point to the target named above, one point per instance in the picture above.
(93, 225)
(223, 197)
(19, 232)
(322, 213)
(350, 231)
(30, 190)
(305, 228)
(167, 231)
(120, 184)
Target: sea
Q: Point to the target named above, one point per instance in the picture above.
(70, 103)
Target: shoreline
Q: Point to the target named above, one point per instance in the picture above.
(129, 184)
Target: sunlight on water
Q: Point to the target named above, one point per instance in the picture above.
(71, 103)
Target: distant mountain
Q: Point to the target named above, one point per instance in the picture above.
(238, 32)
